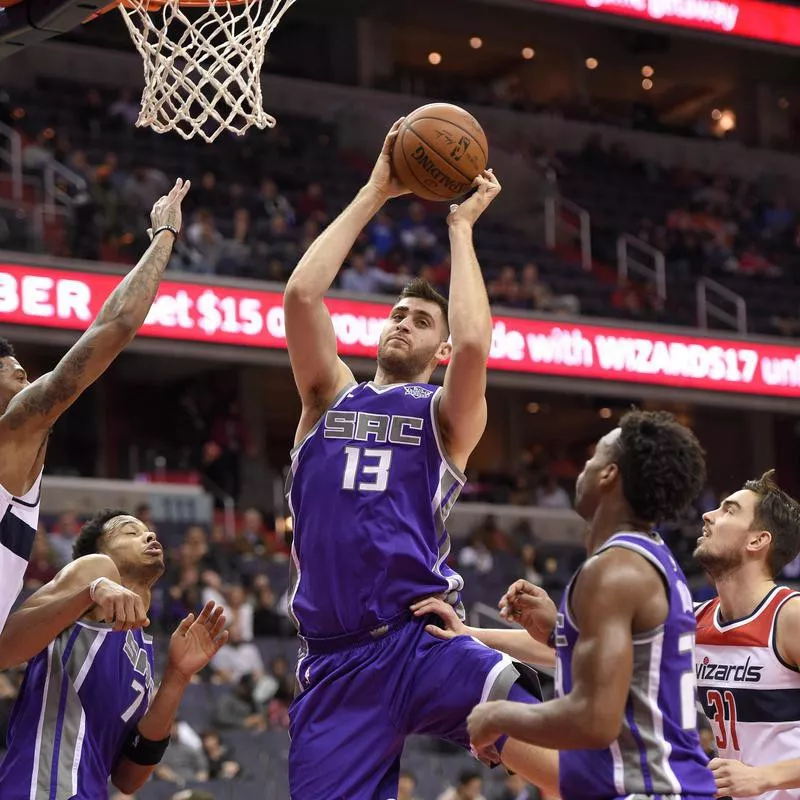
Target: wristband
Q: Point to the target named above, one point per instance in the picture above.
(144, 752)
(173, 230)
(551, 640)
(93, 587)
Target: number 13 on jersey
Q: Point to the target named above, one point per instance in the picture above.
(367, 469)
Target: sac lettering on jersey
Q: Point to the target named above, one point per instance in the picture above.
(361, 426)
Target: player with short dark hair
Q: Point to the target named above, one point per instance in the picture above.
(624, 719)
(748, 641)
(88, 709)
(29, 410)
(376, 468)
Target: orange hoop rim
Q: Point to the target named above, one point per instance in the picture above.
(157, 5)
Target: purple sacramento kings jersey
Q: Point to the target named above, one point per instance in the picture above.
(79, 701)
(370, 489)
(658, 750)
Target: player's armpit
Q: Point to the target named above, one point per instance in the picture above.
(787, 637)
(53, 608)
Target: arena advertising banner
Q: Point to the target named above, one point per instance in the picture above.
(254, 318)
(750, 19)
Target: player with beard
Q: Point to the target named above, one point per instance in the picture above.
(376, 468)
(748, 642)
(88, 709)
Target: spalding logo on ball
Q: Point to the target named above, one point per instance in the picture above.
(439, 151)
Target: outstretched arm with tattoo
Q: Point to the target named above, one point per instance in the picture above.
(36, 407)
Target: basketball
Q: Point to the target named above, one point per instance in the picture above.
(439, 151)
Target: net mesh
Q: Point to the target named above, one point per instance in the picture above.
(202, 65)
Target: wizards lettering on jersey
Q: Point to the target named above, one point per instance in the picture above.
(742, 673)
(138, 658)
(361, 426)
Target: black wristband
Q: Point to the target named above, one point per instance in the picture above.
(170, 228)
(144, 752)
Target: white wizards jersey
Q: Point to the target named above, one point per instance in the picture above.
(750, 695)
(19, 519)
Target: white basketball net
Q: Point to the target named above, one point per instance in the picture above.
(202, 66)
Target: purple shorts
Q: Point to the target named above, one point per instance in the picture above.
(358, 704)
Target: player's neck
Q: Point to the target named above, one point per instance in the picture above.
(741, 591)
(610, 520)
(384, 378)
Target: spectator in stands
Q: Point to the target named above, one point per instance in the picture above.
(311, 204)
(276, 242)
(237, 709)
(236, 659)
(406, 785)
(266, 619)
(219, 757)
(469, 787)
(181, 763)
(505, 290)
(515, 788)
(251, 535)
(93, 113)
(271, 203)
(63, 536)
(124, 110)
(43, 566)
(382, 235)
(309, 233)
(144, 186)
(416, 233)
(553, 495)
(203, 244)
(207, 193)
(360, 277)
(239, 610)
(236, 254)
(528, 558)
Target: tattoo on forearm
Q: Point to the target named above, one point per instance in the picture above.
(131, 300)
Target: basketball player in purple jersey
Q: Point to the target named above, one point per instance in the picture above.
(88, 709)
(29, 410)
(625, 716)
(376, 468)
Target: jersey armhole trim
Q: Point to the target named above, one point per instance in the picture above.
(773, 637)
(437, 435)
(648, 556)
(336, 400)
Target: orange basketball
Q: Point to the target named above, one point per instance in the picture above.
(439, 151)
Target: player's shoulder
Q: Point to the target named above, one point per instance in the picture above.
(617, 569)
(788, 610)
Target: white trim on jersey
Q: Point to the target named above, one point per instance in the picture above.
(619, 766)
(653, 688)
(437, 435)
(494, 674)
(38, 748)
(733, 625)
(79, 680)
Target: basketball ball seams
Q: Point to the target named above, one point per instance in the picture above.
(427, 144)
(461, 128)
(411, 170)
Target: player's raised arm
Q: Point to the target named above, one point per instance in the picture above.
(604, 600)
(318, 371)
(735, 779)
(89, 581)
(462, 409)
(193, 645)
(38, 406)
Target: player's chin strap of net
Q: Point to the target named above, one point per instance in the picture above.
(202, 65)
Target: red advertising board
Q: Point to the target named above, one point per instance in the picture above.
(254, 318)
(751, 19)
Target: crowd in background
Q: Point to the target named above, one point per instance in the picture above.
(257, 225)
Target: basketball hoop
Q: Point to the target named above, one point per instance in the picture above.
(202, 63)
